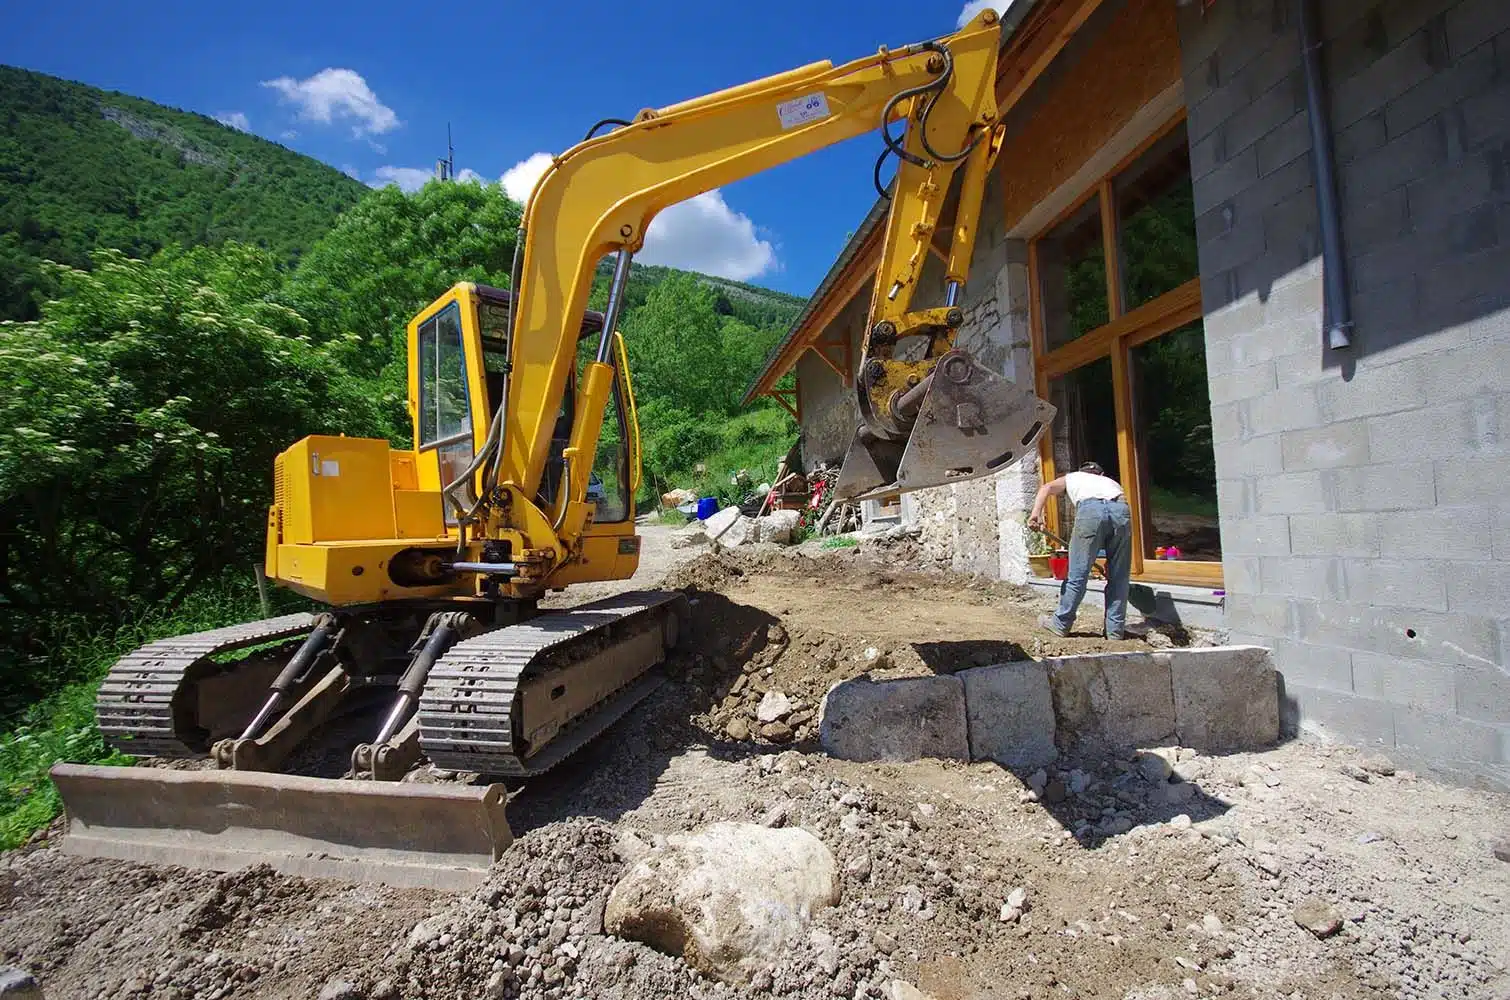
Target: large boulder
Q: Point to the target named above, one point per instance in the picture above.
(729, 898)
(729, 527)
(777, 526)
(1113, 699)
(18, 984)
(1225, 699)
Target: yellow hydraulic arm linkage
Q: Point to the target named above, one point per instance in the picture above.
(934, 419)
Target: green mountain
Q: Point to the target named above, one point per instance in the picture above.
(82, 168)
(763, 308)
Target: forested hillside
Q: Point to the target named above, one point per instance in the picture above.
(82, 168)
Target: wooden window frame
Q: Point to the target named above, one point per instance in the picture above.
(1124, 330)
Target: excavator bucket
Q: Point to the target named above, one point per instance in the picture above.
(403, 834)
(971, 422)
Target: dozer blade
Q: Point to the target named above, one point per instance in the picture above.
(971, 423)
(411, 835)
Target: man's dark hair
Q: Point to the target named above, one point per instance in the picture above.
(1094, 468)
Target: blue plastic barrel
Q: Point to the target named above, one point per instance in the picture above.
(706, 508)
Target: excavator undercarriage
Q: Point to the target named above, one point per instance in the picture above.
(497, 699)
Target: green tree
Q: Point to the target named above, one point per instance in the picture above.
(137, 440)
(389, 257)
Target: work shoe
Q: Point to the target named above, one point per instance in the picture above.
(1052, 624)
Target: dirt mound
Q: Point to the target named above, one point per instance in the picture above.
(772, 626)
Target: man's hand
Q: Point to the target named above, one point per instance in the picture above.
(1036, 522)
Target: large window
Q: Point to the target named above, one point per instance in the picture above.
(1120, 351)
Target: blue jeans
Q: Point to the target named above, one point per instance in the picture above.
(1099, 524)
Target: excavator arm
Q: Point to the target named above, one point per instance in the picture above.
(600, 197)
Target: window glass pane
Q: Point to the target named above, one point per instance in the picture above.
(452, 414)
(1172, 418)
(608, 488)
(454, 459)
(426, 350)
(1072, 276)
(1085, 429)
(1156, 221)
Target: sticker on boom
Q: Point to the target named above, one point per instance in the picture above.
(801, 110)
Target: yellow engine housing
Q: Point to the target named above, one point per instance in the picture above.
(342, 508)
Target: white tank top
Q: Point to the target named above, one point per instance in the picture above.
(1089, 486)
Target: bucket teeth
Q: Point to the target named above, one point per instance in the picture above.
(971, 423)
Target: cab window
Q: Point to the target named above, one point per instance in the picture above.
(608, 488)
(444, 410)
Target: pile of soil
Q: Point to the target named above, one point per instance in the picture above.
(768, 620)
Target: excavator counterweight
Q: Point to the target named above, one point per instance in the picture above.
(429, 561)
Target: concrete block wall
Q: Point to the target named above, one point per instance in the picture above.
(1363, 493)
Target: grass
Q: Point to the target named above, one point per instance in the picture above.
(669, 515)
(62, 726)
(755, 441)
(840, 542)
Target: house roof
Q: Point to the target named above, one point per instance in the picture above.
(1033, 32)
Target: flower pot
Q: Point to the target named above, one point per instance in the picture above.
(1039, 566)
(1059, 566)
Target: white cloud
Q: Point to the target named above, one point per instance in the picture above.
(469, 176)
(408, 179)
(520, 179)
(288, 134)
(351, 171)
(704, 234)
(335, 94)
(701, 234)
(234, 119)
(973, 7)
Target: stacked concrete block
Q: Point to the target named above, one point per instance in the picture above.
(1362, 492)
(905, 719)
(1216, 700)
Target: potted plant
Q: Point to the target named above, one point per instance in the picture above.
(1040, 552)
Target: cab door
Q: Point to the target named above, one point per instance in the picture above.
(446, 395)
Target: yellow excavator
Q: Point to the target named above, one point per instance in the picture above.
(430, 561)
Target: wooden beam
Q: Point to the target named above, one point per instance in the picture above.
(834, 365)
(860, 271)
(780, 396)
(1111, 250)
(1168, 311)
(1036, 43)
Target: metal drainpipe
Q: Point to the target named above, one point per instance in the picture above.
(1336, 304)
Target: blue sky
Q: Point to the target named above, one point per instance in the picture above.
(369, 88)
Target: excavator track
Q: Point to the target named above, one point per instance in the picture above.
(471, 710)
(135, 704)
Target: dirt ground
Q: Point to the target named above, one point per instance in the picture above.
(1396, 872)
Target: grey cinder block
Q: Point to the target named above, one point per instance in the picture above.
(1224, 699)
(895, 720)
(1113, 699)
(1011, 714)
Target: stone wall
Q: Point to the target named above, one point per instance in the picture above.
(1363, 493)
(976, 527)
(830, 413)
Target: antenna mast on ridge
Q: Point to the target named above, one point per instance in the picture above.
(445, 170)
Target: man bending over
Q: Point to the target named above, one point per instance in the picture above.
(1102, 521)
